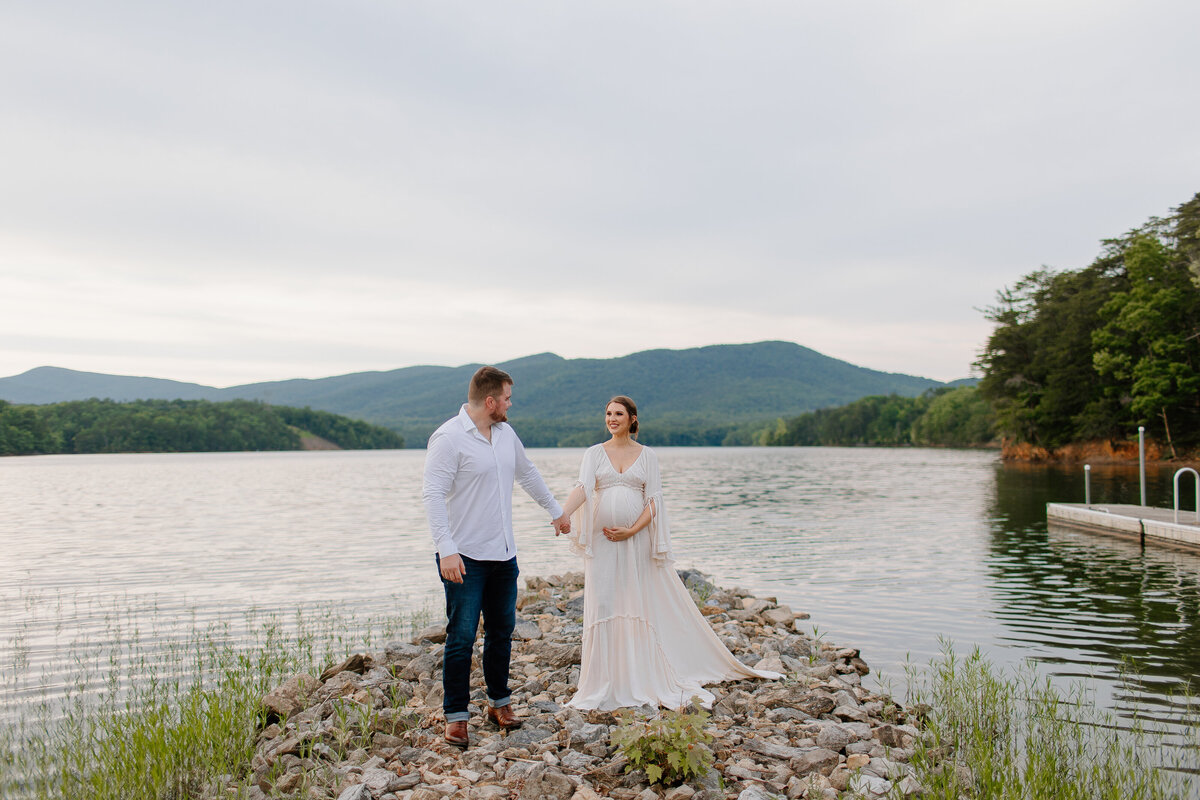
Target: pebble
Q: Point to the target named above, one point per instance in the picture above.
(811, 734)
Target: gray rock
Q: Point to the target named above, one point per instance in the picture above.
(547, 783)
(357, 663)
(818, 759)
(572, 607)
(791, 664)
(785, 714)
(756, 793)
(563, 655)
(889, 736)
(698, 582)
(588, 733)
(402, 651)
(356, 792)
(816, 704)
(527, 631)
(423, 664)
(859, 730)
(781, 616)
(292, 696)
(772, 750)
(833, 737)
(575, 760)
(821, 670)
(433, 633)
(682, 792)
(864, 783)
(340, 685)
(289, 782)
(407, 781)
(381, 781)
(528, 734)
(851, 713)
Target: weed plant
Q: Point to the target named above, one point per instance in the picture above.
(994, 735)
(160, 708)
(670, 747)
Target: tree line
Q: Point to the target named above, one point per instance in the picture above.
(1094, 353)
(176, 426)
(1075, 355)
(946, 416)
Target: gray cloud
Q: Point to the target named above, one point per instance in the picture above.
(842, 174)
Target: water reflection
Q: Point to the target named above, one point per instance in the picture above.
(1092, 605)
(888, 549)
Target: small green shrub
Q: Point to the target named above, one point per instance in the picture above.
(670, 747)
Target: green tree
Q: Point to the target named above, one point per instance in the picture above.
(957, 417)
(1036, 365)
(1150, 341)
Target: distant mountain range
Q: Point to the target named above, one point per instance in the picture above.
(715, 387)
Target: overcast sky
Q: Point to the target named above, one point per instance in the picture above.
(230, 192)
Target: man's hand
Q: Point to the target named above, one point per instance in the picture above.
(453, 568)
(562, 525)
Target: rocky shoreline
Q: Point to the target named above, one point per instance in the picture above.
(370, 727)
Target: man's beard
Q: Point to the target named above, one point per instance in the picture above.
(499, 416)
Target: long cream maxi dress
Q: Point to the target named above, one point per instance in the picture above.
(644, 640)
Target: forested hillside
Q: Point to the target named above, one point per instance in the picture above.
(706, 395)
(1093, 353)
(176, 426)
(939, 417)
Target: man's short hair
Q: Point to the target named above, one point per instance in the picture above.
(487, 382)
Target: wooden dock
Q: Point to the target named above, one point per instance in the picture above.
(1140, 523)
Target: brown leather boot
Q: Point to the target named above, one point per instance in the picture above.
(503, 717)
(456, 733)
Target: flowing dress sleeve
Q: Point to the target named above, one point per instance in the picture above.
(581, 533)
(659, 530)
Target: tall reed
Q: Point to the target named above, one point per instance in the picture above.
(161, 710)
(999, 734)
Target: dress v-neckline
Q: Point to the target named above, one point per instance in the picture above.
(631, 463)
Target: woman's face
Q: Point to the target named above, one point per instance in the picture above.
(617, 419)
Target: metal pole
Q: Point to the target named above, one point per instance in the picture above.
(1087, 484)
(1142, 460)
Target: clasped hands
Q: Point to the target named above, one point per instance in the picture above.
(562, 525)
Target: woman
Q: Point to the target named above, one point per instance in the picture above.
(644, 641)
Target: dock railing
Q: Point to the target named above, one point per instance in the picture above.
(1196, 480)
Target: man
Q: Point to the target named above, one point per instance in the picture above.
(470, 466)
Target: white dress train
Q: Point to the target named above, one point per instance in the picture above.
(644, 640)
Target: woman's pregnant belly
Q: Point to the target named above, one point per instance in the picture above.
(618, 506)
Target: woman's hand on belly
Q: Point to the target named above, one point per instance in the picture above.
(618, 534)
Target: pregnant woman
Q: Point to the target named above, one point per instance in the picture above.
(644, 641)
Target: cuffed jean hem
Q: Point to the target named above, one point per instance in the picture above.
(458, 716)
(507, 701)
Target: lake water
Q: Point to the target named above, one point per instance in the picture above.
(889, 550)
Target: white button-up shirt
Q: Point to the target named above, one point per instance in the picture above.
(468, 488)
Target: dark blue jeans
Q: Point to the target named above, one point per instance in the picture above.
(489, 588)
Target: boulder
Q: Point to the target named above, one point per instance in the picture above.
(357, 663)
(433, 633)
(816, 759)
(292, 696)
